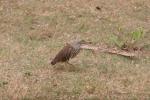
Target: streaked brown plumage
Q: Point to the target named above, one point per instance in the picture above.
(68, 51)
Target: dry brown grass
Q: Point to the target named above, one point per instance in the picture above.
(32, 31)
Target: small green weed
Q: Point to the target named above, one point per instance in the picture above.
(137, 35)
(116, 40)
(130, 41)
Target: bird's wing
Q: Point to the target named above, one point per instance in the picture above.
(64, 54)
(74, 53)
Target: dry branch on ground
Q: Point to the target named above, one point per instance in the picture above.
(106, 49)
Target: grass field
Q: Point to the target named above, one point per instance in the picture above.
(33, 31)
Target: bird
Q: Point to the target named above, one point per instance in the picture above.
(69, 51)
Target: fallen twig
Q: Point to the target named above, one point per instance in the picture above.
(110, 50)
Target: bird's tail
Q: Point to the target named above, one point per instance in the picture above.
(53, 62)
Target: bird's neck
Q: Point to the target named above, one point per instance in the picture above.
(75, 46)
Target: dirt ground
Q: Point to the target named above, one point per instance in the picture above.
(33, 31)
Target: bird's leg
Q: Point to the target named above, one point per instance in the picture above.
(71, 66)
(69, 63)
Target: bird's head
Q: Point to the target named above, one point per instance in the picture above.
(78, 43)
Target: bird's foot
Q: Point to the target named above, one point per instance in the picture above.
(70, 67)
